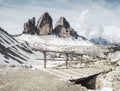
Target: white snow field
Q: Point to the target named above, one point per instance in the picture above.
(53, 43)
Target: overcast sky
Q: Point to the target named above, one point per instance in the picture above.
(90, 18)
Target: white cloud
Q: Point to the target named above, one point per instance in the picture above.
(98, 21)
(112, 33)
(82, 18)
(79, 22)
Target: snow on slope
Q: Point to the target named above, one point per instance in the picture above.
(53, 40)
(11, 51)
(50, 42)
(14, 53)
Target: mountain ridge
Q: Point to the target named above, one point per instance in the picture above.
(44, 26)
(99, 40)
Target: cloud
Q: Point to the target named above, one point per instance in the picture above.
(112, 33)
(80, 21)
(98, 21)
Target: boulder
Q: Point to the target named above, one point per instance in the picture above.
(29, 27)
(44, 24)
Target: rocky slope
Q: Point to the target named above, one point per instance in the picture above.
(110, 79)
(11, 51)
(44, 24)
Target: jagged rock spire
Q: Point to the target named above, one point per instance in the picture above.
(29, 27)
(63, 22)
(45, 27)
(44, 24)
(62, 28)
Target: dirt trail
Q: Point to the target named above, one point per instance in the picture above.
(35, 80)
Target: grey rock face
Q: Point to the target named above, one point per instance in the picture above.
(44, 24)
(62, 28)
(73, 33)
(29, 27)
(63, 22)
(45, 27)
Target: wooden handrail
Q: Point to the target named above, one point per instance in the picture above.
(62, 52)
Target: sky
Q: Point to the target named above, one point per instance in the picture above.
(90, 18)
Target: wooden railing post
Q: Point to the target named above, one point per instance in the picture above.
(81, 59)
(44, 52)
(66, 59)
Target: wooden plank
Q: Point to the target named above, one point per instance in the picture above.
(63, 74)
(71, 75)
(44, 59)
(70, 71)
(63, 52)
(80, 74)
(89, 71)
(59, 60)
(66, 60)
(53, 59)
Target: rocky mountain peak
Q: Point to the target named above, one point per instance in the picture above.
(45, 27)
(33, 21)
(44, 24)
(29, 27)
(63, 22)
(46, 15)
(62, 28)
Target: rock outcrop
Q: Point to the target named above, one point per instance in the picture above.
(44, 24)
(73, 33)
(45, 27)
(29, 27)
(62, 28)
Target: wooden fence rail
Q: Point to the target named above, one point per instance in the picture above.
(67, 53)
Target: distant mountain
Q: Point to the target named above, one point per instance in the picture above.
(99, 40)
(11, 51)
